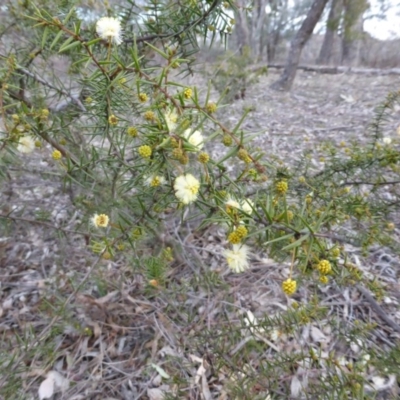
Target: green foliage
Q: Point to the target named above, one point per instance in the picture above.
(234, 75)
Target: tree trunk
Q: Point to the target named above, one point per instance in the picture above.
(242, 28)
(258, 17)
(274, 36)
(332, 26)
(353, 31)
(286, 80)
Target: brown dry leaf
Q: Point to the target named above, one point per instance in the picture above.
(107, 298)
(201, 375)
(223, 395)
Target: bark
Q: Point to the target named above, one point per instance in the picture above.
(323, 69)
(274, 35)
(242, 28)
(332, 25)
(286, 80)
(353, 31)
(258, 18)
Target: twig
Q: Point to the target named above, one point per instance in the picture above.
(176, 34)
(377, 308)
(33, 221)
(42, 81)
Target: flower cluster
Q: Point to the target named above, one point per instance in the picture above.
(145, 151)
(211, 108)
(112, 120)
(244, 156)
(100, 221)
(324, 267)
(324, 279)
(289, 286)
(187, 93)
(56, 155)
(132, 131)
(26, 145)
(109, 29)
(194, 138)
(227, 140)
(281, 187)
(245, 206)
(238, 235)
(203, 158)
(237, 258)
(149, 116)
(143, 97)
(171, 118)
(154, 180)
(186, 188)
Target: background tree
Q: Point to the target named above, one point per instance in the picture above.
(286, 80)
(258, 17)
(353, 30)
(242, 26)
(332, 26)
(275, 23)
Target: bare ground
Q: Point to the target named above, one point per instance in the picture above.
(116, 338)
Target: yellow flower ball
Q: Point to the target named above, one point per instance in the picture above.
(242, 231)
(56, 155)
(289, 286)
(149, 116)
(44, 113)
(335, 252)
(324, 279)
(390, 226)
(203, 158)
(143, 97)
(145, 151)
(211, 108)
(234, 238)
(324, 267)
(227, 140)
(244, 156)
(281, 187)
(132, 131)
(187, 93)
(112, 120)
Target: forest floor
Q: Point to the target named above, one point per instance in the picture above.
(118, 338)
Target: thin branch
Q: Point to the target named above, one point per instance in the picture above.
(176, 34)
(377, 308)
(371, 183)
(43, 223)
(42, 81)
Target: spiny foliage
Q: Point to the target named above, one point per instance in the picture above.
(137, 148)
